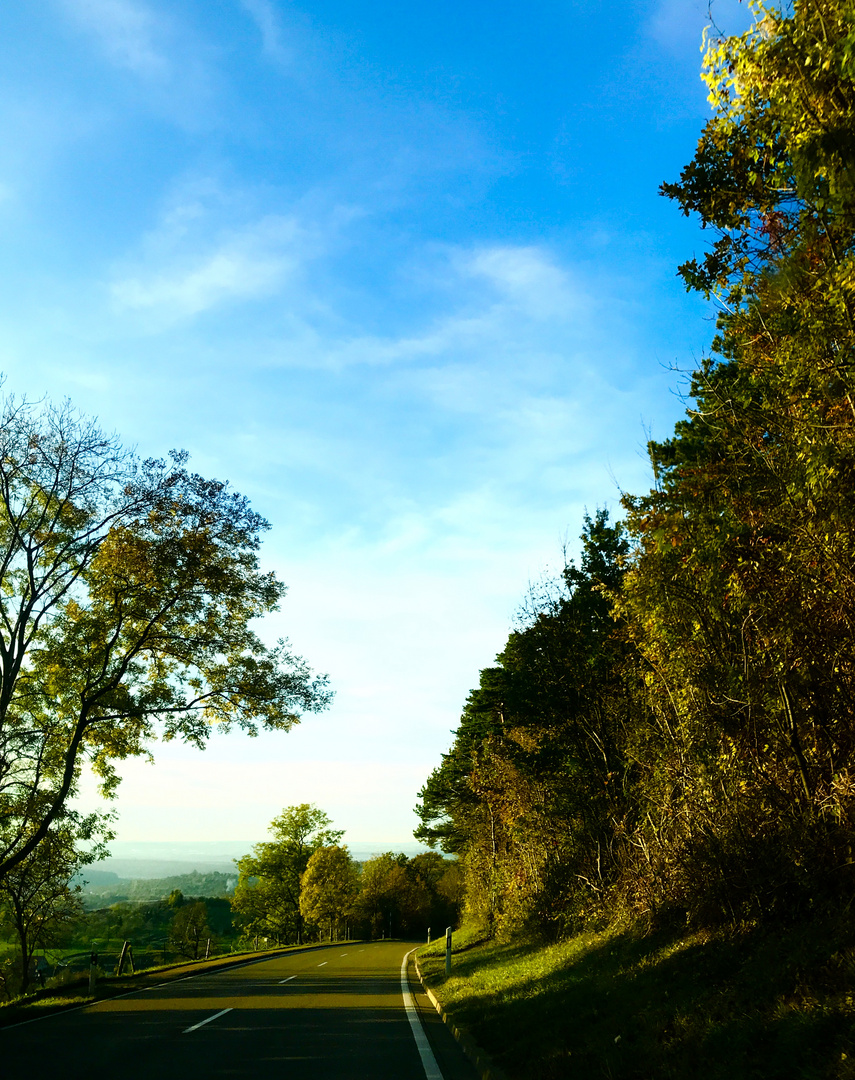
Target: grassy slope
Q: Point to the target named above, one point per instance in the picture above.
(619, 1004)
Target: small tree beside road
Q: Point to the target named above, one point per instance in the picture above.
(190, 930)
(267, 897)
(37, 899)
(329, 887)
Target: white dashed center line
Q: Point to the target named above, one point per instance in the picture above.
(202, 1023)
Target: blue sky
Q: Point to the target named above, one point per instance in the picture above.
(401, 274)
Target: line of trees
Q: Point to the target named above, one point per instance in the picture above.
(671, 728)
(299, 885)
(304, 884)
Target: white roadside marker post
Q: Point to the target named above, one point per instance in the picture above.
(93, 972)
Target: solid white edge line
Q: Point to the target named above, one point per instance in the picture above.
(202, 1023)
(425, 1053)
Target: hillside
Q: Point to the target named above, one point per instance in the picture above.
(624, 1004)
(103, 888)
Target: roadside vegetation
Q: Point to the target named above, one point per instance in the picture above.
(299, 887)
(724, 1003)
(652, 792)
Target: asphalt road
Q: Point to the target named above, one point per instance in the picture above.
(328, 1014)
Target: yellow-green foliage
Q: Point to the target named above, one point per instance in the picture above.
(670, 732)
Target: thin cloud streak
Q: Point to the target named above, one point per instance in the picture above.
(176, 280)
(265, 17)
(227, 274)
(128, 33)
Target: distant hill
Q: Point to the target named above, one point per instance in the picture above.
(133, 869)
(133, 860)
(150, 870)
(104, 893)
(96, 878)
(166, 858)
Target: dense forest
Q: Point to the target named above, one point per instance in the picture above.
(668, 733)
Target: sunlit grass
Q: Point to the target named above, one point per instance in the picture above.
(726, 1005)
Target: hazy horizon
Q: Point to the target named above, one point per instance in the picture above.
(167, 858)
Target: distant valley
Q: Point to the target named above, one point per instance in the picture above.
(150, 870)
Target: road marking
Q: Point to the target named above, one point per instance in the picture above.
(202, 1023)
(290, 977)
(324, 964)
(425, 1053)
(342, 954)
(157, 986)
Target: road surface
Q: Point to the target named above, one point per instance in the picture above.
(337, 1013)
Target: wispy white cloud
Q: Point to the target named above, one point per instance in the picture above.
(527, 278)
(237, 270)
(129, 32)
(190, 264)
(266, 18)
(500, 301)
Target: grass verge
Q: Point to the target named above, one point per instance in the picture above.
(73, 995)
(624, 1005)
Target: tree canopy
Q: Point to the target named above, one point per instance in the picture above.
(128, 590)
(267, 896)
(329, 887)
(675, 731)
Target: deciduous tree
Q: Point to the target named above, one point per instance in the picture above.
(329, 887)
(127, 593)
(37, 893)
(267, 897)
(189, 930)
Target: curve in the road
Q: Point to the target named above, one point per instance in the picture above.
(340, 1019)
